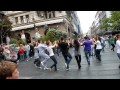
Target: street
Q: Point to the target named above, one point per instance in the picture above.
(106, 69)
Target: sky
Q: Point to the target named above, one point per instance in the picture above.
(86, 18)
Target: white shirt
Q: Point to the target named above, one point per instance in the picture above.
(27, 47)
(50, 50)
(8, 40)
(37, 35)
(23, 36)
(118, 46)
(98, 45)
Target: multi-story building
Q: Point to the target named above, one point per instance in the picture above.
(97, 22)
(66, 21)
(76, 23)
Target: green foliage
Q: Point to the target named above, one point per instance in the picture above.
(20, 41)
(112, 22)
(5, 23)
(16, 41)
(53, 34)
(5, 26)
(105, 23)
(13, 41)
(16, 36)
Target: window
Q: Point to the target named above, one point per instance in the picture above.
(21, 18)
(27, 18)
(16, 20)
(51, 14)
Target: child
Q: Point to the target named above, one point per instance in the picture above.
(21, 52)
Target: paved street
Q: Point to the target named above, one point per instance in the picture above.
(106, 69)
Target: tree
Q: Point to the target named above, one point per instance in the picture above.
(112, 22)
(5, 26)
(115, 19)
(53, 34)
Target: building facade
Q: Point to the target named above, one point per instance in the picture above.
(27, 21)
(95, 27)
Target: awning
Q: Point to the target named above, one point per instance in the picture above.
(23, 27)
(49, 22)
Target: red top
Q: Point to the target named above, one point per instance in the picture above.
(21, 51)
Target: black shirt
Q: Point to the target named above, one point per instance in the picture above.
(64, 47)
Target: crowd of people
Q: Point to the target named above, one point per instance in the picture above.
(42, 52)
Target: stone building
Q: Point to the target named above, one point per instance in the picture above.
(28, 21)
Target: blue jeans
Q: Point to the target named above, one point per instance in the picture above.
(58, 51)
(103, 45)
(55, 62)
(88, 55)
(22, 57)
(118, 54)
(27, 54)
(67, 58)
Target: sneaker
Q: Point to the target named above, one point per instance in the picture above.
(39, 67)
(67, 69)
(46, 68)
(57, 70)
(65, 65)
(42, 63)
(35, 65)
